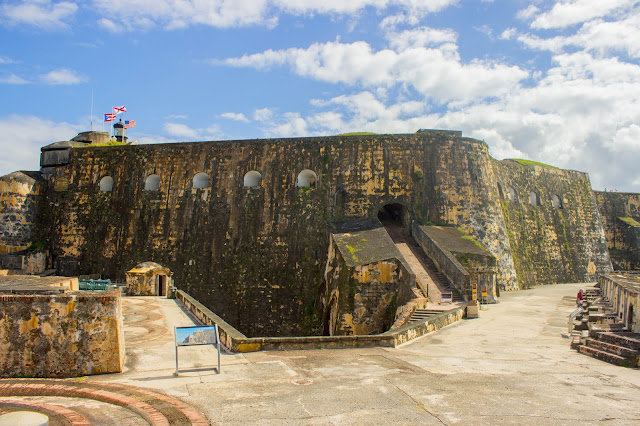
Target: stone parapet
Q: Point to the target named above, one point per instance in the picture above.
(238, 342)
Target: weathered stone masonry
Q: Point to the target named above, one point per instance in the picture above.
(257, 255)
(61, 335)
(553, 224)
(620, 213)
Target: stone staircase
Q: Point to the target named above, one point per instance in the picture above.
(597, 333)
(423, 314)
(449, 292)
(619, 348)
(428, 276)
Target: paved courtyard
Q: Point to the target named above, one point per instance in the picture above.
(510, 366)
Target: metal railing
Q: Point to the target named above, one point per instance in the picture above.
(573, 316)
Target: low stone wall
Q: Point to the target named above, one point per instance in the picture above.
(24, 262)
(238, 342)
(65, 335)
(445, 261)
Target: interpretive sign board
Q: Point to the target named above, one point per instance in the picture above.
(197, 336)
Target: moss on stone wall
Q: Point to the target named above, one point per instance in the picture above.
(551, 244)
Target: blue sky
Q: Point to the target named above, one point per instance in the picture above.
(556, 81)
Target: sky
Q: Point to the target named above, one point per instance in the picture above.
(555, 81)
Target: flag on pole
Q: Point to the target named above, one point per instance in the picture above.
(109, 117)
(129, 124)
(120, 109)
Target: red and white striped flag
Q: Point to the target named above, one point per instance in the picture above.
(129, 124)
(120, 109)
(109, 117)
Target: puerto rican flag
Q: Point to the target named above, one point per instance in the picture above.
(119, 110)
(109, 117)
(129, 124)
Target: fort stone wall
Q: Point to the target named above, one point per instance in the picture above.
(553, 224)
(240, 235)
(620, 213)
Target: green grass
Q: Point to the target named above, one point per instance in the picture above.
(531, 163)
(473, 240)
(630, 221)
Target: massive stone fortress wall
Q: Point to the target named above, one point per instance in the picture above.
(620, 213)
(553, 224)
(256, 255)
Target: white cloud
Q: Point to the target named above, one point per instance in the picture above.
(508, 34)
(176, 117)
(292, 125)
(527, 13)
(13, 79)
(597, 36)
(187, 133)
(263, 114)
(63, 76)
(173, 14)
(235, 116)
(43, 14)
(422, 37)
(392, 21)
(570, 12)
(4, 60)
(626, 139)
(437, 73)
(23, 136)
(181, 131)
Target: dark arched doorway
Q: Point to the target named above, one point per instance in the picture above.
(394, 214)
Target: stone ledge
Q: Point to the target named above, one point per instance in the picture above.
(238, 342)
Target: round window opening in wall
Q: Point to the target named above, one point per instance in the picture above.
(307, 179)
(557, 202)
(534, 200)
(152, 183)
(106, 184)
(201, 180)
(513, 195)
(252, 179)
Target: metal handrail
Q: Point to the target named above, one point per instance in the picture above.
(573, 316)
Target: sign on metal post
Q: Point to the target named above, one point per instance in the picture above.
(197, 336)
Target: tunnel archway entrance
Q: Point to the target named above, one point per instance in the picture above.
(395, 214)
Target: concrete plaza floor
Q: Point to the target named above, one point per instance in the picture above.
(510, 366)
